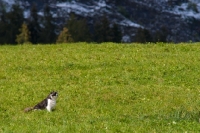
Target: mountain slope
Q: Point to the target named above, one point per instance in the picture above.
(179, 17)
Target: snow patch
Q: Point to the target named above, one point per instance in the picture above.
(80, 8)
(8, 4)
(26, 14)
(185, 12)
(101, 4)
(126, 38)
(76, 6)
(127, 22)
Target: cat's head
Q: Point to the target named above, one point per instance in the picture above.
(53, 95)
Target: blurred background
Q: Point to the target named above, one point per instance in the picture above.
(62, 21)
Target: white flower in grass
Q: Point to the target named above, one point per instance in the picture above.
(174, 122)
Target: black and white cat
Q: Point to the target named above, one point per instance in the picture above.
(48, 103)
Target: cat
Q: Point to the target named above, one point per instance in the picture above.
(48, 103)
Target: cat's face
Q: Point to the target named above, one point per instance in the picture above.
(53, 94)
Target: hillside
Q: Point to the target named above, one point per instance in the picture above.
(181, 18)
(102, 88)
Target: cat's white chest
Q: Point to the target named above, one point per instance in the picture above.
(51, 103)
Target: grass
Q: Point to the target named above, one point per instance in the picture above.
(102, 87)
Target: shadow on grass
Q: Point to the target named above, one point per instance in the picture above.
(181, 114)
(174, 115)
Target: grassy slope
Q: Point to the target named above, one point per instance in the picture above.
(102, 88)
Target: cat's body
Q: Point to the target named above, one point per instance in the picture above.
(48, 103)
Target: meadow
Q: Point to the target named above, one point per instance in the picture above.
(103, 88)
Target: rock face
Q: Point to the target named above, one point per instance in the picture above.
(181, 18)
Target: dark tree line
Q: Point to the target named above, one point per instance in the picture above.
(144, 35)
(35, 29)
(10, 24)
(14, 28)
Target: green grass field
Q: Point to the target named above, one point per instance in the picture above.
(103, 88)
